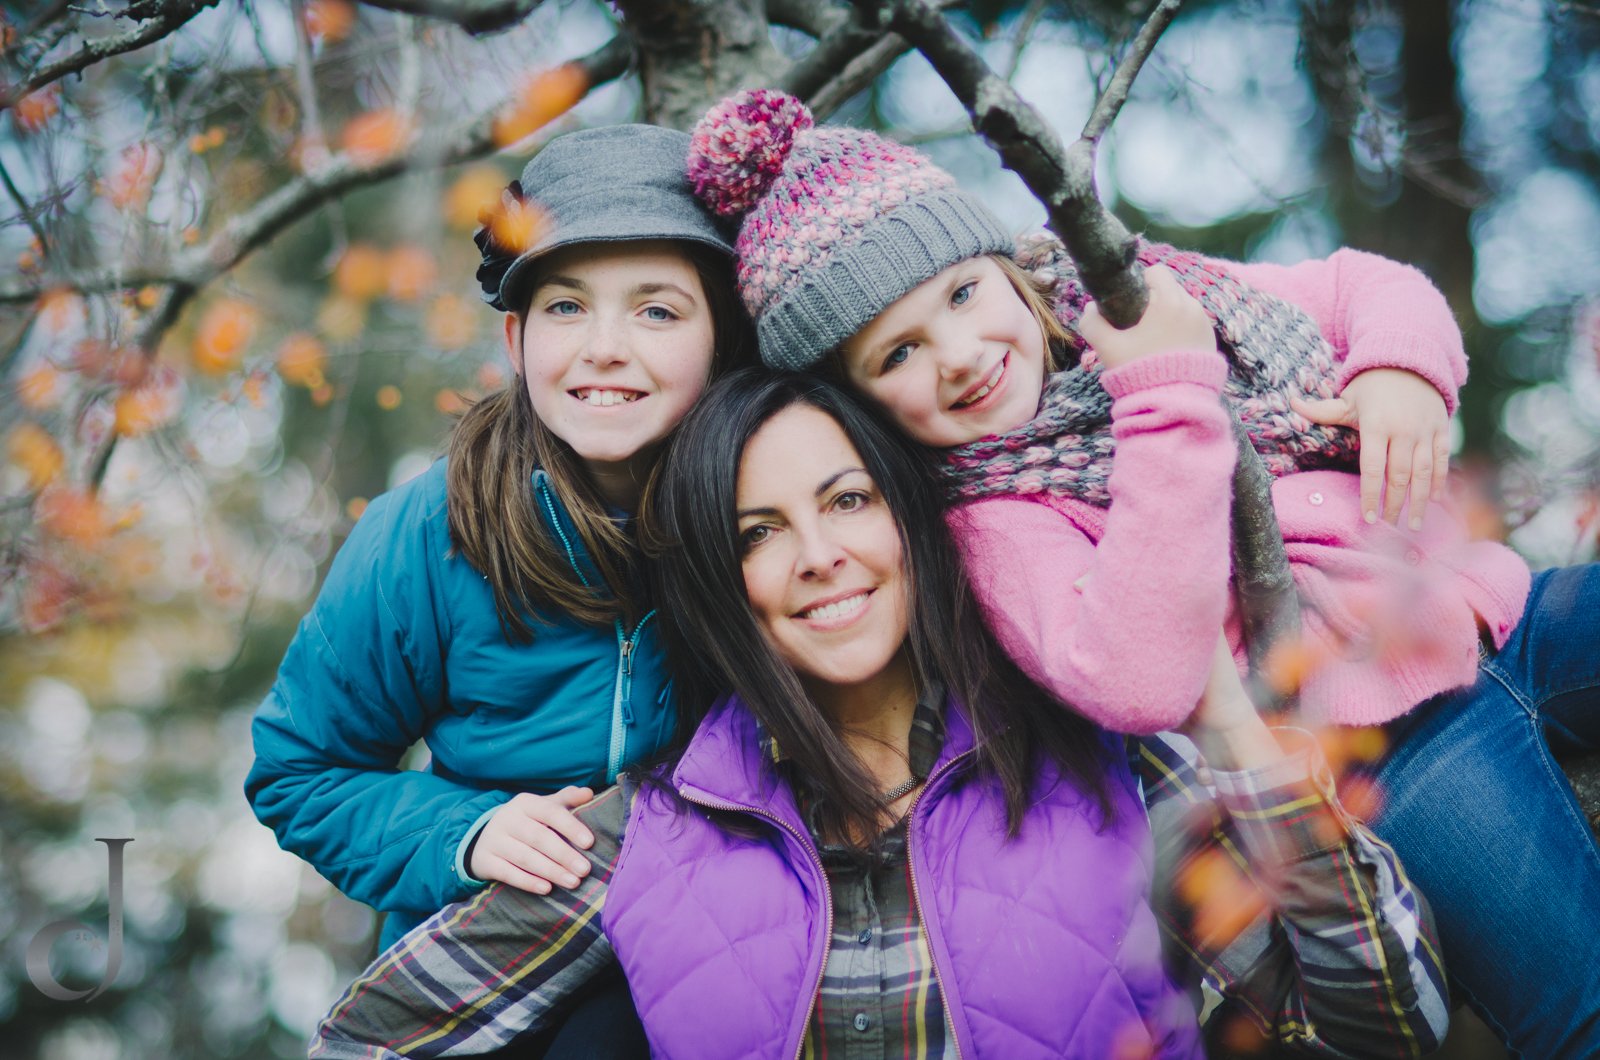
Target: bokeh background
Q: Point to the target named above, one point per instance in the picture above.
(186, 443)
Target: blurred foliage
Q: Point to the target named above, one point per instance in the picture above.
(151, 584)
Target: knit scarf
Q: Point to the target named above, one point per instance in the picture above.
(1274, 350)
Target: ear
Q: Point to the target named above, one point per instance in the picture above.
(514, 343)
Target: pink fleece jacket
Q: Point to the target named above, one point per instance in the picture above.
(1116, 610)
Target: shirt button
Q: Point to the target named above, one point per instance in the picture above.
(861, 1022)
(865, 936)
(1315, 498)
(1413, 557)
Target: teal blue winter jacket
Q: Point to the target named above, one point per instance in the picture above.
(404, 644)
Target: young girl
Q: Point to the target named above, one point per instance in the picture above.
(493, 607)
(858, 255)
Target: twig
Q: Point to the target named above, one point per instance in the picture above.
(845, 62)
(25, 209)
(1019, 40)
(160, 24)
(1109, 105)
(474, 16)
(816, 18)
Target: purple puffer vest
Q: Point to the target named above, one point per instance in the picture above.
(1044, 945)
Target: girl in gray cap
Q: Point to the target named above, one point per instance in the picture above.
(494, 607)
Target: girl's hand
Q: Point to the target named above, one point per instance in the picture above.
(1173, 320)
(529, 842)
(1405, 438)
(1225, 725)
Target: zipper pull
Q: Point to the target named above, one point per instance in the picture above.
(627, 658)
(627, 683)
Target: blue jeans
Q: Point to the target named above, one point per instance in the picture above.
(1487, 826)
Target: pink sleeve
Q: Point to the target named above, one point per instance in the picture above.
(1377, 313)
(1123, 631)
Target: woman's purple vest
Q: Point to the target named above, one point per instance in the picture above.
(1044, 945)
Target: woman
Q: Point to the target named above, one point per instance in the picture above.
(846, 854)
(495, 607)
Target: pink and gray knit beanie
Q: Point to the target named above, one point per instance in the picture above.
(838, 223)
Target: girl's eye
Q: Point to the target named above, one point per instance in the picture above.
(659, 314)
(897, 357)
(963, 294)
(564, 308)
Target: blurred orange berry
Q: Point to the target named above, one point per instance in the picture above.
(37, 108)
(540, 100)
(330, 20)
(42, 388)
(211, 139)
(354, 507)
(342, 318)
(226, 328)
(361, 272)
(372, 137)
(451, 322)
(491, 376)
(321, 395)
(147, 297)
(389, 397)
(59, 307)
(149, 406)
(1223, 898)
(27, 261)
(73, 515)
(1290, 663)
(138, 166)
(190, 236)
(302, 360)
(253, 389)
(449, 402)
(31, 448)
(412, 273)
(473, 193)
(48, 595)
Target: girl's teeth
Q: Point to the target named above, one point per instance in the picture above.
(838, 608)
(606, 397)
(983, 392)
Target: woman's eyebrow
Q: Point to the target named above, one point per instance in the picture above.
(562, 281)
(827, 484)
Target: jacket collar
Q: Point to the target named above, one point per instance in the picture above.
(559, 523)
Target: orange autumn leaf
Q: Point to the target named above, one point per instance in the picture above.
(42, 388)
(1223, 898)
(302, 359)
(473, 193)
(35, 109)
(354, 507)
(138, 166)
(516, 225)
(1290, 663)
(73, 515)
(372, 137)
(48, 596)
(209, 140)
(361, 273)
(330, 21)
(412, 273)
(451, 322)
(226, 328)
(31, 448)
(58, 307)
(153, 404)
(541, 100)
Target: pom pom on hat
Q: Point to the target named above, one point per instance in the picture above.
(737, 150)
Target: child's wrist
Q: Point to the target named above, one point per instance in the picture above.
(1205, 368)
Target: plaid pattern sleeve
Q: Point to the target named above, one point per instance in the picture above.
(477, 974)
(1283, 915)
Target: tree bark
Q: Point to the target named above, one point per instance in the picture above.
(694, 52)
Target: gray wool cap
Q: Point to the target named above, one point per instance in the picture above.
(620, 182)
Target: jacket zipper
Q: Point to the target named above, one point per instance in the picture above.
(827, 897)
(916, 892)
(622, 696)
(622, 688)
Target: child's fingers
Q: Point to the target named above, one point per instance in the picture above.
(1399, 478)
(1374, 455)
(1330, 412)
(1421, 481)
(537, 864)
(554, 812)
(540, 838)
(521, 879)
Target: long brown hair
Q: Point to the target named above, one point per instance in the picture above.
(714, 643)
(500, 442)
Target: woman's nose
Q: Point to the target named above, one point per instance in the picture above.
(820, 555)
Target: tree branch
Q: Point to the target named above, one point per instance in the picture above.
(159, 23)
(474, 16)
(1109, 105)
(845, 62)
(816, 18)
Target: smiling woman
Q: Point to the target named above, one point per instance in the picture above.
(898, 844)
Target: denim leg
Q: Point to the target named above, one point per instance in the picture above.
(1487, 826)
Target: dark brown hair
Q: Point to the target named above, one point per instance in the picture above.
(499, 443)
(715, 645)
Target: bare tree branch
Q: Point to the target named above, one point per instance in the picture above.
(474, 16)
(816, 18)
(1109, 105)
(844, 63)
(160, 22)
(24, 209)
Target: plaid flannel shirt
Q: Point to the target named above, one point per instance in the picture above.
(1311, 933)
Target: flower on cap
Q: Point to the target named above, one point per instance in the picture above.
(497, 257)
